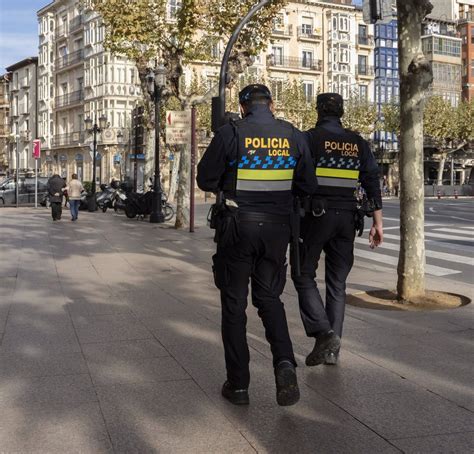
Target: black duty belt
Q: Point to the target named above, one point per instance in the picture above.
(319, 205)
(252, 216)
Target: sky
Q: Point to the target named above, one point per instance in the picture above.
(19, 30)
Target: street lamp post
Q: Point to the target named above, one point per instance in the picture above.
(156, 85)
(93, 128)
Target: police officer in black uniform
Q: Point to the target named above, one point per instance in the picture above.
(342, 159)
(257, 163)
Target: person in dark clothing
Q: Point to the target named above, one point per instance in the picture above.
(55, 190)
(256, 164)
(342, 159)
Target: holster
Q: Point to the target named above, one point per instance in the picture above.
(226, 225)
(359, 217)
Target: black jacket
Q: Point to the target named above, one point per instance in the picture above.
(369, 175)
(55, 186)
(220, 159)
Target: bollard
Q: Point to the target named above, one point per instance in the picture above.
(455, 194)
(439, 194)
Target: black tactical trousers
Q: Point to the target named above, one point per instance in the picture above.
(333, 233)
(56, 210)
(259, 256)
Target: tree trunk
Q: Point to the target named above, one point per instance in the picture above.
(415, 77)
(182, 200)
(441, 165)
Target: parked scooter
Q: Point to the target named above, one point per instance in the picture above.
(138, 204)
(104, 198)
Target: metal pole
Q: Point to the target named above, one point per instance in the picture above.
(452, 171)
(193, 167)
(135, 160)
(223, 72)
(17, 186)
(92, 206)
(157, 215)
(36, 182)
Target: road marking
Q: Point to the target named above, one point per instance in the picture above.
(457, 247)
(449, 237)
(462, 232)
(432, 210)
(455, 258)
(388, 259)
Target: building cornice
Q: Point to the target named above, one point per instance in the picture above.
(21, 64)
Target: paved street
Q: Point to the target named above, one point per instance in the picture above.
(110, 342)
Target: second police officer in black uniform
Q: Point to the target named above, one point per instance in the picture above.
(256, 163)
(342, 158)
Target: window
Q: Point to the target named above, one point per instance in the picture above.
(277, 52)
(363, 30)
(277, 88)
(306, 29)
(80, 83)
(307, 25)
(307, 60)
(173, 8)
(362, 64)
(344, 56)
(308, 88)
(279, 22)
(364, 92)
(344, 24)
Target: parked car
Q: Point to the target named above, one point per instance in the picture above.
(26, 190)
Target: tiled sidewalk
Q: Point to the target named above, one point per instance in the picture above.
(110, 341)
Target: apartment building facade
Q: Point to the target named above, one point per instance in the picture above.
(326, 46)
(466, 32)
(4, 123)
(79, 79)
(442, 46)
(23, 83)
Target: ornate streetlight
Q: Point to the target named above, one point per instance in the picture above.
(156, 85)
(93, 128)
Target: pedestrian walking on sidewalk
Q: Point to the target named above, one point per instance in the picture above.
(74, 190)
(55, 190)
(252, 165)
(342, 159)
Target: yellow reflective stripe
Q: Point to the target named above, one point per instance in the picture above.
(337, 173)
(265, 175)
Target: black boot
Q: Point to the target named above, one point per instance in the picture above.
(287, 391)
(326, 349)
(234, 395)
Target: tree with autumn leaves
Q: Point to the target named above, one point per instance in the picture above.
(149, 32)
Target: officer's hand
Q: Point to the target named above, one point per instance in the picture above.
(376, 236)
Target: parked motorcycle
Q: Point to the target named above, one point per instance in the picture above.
(138, 204)
(104, 198)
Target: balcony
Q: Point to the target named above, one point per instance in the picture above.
(76, 23)
(303, 64)
(70, 139)
(367, 41)
(70, 59)
(61, 31)
(309, 33)
(283, 32)
(365, 71)
(69, 99)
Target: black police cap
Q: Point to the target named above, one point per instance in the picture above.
(330, 103)
(254, 91)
